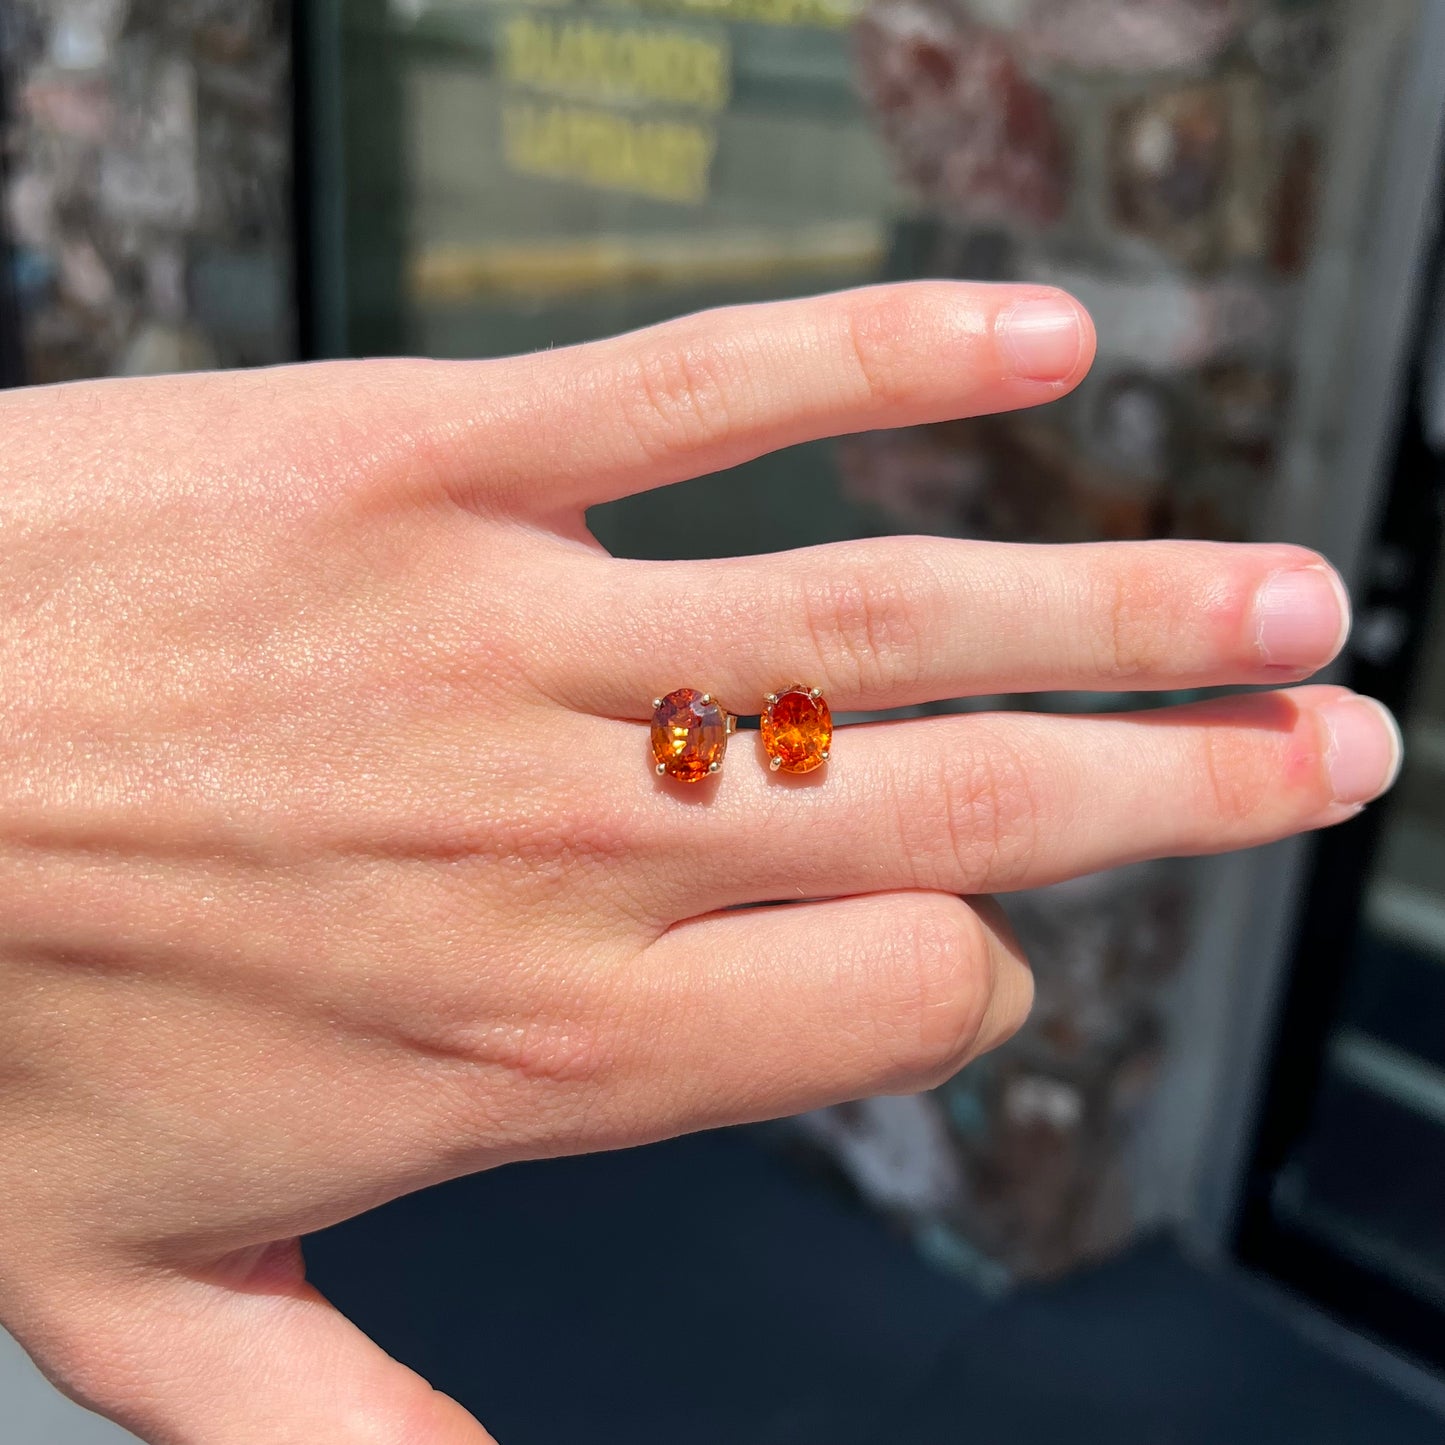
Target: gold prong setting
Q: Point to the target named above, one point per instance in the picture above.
(797, 728)
(689, 735)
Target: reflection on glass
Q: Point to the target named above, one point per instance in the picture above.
(522, 175)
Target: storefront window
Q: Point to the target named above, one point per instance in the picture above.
(522, 175)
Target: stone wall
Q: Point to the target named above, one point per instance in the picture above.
(147, 152)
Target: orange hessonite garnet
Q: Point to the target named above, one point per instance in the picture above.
(689, 735)
(797, 730)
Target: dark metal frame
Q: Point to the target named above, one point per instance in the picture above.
(348, 129)
(1411, 526)
(304, 178)
(12, 351)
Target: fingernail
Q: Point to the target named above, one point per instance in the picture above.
(1302, 617)
(1042, 338)
(1364, 750)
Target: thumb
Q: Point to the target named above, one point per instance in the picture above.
(255, 1356)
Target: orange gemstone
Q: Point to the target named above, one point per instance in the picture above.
(689, 735)
(798, 730)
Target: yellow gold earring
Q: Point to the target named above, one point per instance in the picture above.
(797, 727)
(690, 732)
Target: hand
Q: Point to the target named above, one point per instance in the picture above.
(332, 862)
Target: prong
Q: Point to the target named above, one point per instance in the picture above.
(824, 755)
(656, 703)
(774, 764)
(770, 698)
(815, 693)
(706, 698)
(661, 769)
(713, 767)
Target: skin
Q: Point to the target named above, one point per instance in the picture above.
(332, 863)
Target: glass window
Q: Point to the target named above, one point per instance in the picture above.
(521, 175)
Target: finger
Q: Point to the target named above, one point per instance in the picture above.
(769, 1011)
(895, 621)
(182, 1361)
(997, 801)
(566, 429)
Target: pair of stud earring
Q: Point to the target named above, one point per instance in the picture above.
(690, 732)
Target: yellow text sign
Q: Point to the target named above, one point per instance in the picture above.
(813, 14)
(576, 57)
(665, 159)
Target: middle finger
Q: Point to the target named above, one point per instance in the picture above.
(891, 622)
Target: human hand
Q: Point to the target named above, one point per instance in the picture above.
(332, 863)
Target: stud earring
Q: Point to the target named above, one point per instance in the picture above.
(797, 728)
(690, 732)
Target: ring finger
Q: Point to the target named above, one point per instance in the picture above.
(991, 802)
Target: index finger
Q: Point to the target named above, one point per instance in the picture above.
(570, 428)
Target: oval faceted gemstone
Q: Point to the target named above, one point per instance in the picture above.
(689, 736)
(798, 730)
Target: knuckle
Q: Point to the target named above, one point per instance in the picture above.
(878, 331)
(679, 398)
(945, 950)
(869, 630)
(986, 819)
(1135, 603)
(1234, 778)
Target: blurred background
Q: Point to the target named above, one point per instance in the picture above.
(1200, 1200)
